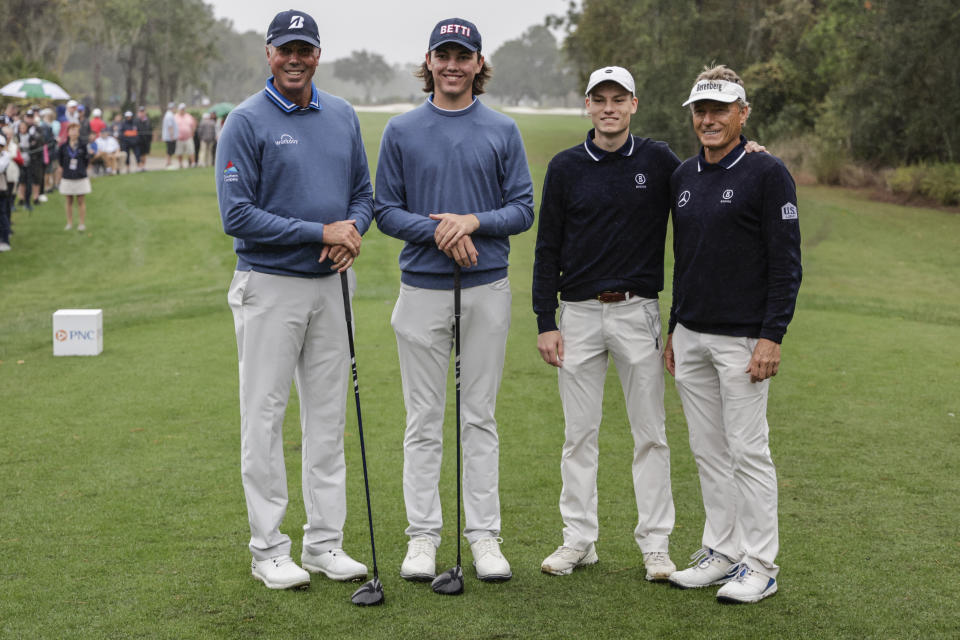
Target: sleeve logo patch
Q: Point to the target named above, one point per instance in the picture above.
(788, 211)
(231, 174)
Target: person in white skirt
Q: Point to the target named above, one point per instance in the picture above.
(74, 158)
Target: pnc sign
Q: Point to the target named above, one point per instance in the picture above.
(78, 332)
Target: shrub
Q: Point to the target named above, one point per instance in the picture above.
(939, 182)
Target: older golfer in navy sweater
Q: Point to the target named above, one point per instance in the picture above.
(735, 281)
(295, 193)
(453, 183)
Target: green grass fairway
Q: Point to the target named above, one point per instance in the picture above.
(123, 516)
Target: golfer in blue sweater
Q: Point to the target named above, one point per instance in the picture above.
(294, 191)
(453, 183)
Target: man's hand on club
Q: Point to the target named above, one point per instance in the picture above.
(341, 244)
(452, 227)
(463, 252)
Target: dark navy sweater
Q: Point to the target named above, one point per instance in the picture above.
(736, 244)
(603, 223)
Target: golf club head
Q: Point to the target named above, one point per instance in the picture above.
(449, 583)
(369, 594)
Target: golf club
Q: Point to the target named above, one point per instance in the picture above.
(450, 582)
(371, 592)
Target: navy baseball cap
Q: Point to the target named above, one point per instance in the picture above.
(291, 25)
(457, 30)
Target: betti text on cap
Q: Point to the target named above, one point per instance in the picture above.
(458, 31)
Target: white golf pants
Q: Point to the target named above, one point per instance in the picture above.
(424, 324)
(292, 328)
(729, 436)
(629, 332)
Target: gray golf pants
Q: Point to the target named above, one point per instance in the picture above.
(423, 322)
(292, 328)
(729, 436)
(628, 332)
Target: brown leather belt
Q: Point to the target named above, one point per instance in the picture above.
(615, 296)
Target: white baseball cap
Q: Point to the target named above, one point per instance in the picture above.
(611, 74)
(97, 113)
(719, 90)
(71, 103)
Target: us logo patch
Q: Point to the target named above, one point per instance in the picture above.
(789, 211)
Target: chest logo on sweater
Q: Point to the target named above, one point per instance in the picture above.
(683, 199)
(641, 181)
(726, 197)
(286, 139)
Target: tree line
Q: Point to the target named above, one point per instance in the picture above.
(853, 80)
(863, 80)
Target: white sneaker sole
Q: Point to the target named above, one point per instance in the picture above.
(493, 577)
(663, 576)
(682, 585)
(339, 577)
(418, 577)
(748, 599)
(590, 558)
(281, 585)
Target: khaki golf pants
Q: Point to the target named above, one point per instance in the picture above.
(292, 329)
(629, 332)
(729, 436)
(424, 324)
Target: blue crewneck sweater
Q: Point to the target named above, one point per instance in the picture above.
(282, 172)
(736, 242)
(603, 223)
(437, 161)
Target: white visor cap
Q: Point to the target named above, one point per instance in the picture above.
(611, 74)
(719, 90)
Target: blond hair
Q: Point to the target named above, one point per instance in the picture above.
(722, 72)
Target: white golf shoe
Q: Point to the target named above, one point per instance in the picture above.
(335, 564)
(564, 560)
(279, 572)
(707, 568)
(420, 563)
(659, 566)
(489, 562)
(748, 586)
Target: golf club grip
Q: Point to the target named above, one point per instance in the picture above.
(345, 286)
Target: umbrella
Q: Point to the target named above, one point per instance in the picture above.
(222, 108)
(34, 88)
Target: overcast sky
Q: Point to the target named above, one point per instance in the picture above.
(396, 29)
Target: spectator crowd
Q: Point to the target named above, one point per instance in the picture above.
(37, 153)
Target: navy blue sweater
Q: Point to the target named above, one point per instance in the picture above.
(437, 161)
(283, 172)
(603, 223)
(736, 243)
